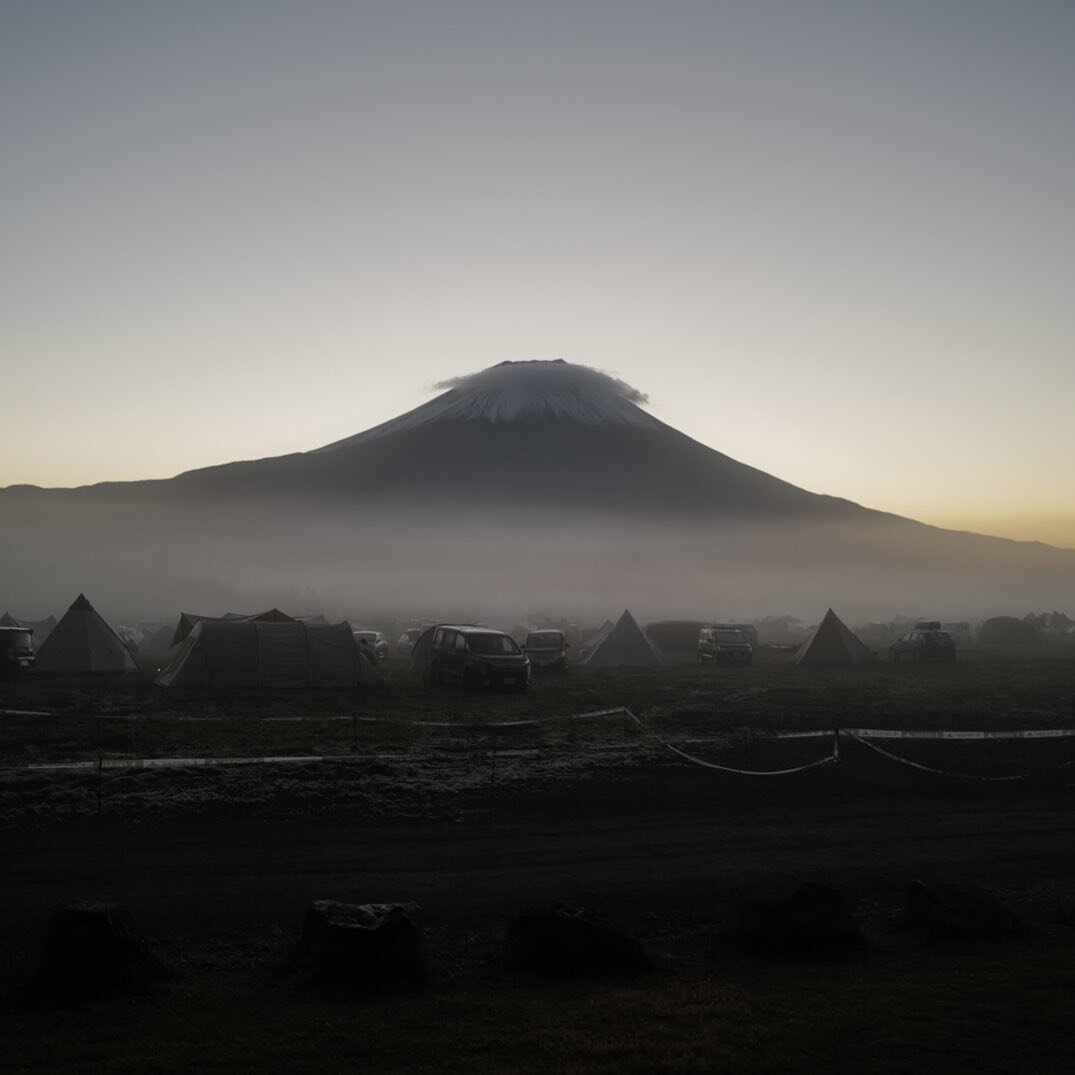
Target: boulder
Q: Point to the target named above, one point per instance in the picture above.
(367, 944)
(957, 911)
(813, 922)
(95, 948)
(564, 941)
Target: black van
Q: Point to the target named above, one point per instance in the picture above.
(723, 644)
(16, 650)
(477, 657)
(547, 651)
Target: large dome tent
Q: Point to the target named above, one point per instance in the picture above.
(243, 653)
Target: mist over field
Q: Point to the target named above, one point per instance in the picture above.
(528, 487)
(452, 561)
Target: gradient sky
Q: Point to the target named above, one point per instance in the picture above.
(833, 240)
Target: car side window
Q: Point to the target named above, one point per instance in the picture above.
(461, 643)
(438, 637)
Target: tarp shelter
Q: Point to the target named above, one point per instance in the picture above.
(626, 646)
(83, 642)
(41, 628)
(252, 653)
(833, 644)
(187, 621)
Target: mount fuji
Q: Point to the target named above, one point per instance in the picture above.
(546, 433)
(524, 483)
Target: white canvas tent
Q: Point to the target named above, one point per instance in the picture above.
(833, 644)
(83, 642)
(254, 653)
(626, 646)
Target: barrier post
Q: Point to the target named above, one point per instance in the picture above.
(492, 765)
(100, 778)
(836, 755)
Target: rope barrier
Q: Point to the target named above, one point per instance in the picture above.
(1019, 733)
(861, 735)
(203, 763)
(832, 757)
(928, 768)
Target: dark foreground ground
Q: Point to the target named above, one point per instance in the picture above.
(474, 823)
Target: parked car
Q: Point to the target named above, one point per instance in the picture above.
(373, 643)
(923, 645)
(547, 651)
(16, 651)
(405, 645)
(723, 645)
(477, 657)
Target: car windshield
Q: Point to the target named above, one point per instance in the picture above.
(366, 636)
(730, 636)
(491, 644)
(544, 640)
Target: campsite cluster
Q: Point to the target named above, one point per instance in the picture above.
(275, 650)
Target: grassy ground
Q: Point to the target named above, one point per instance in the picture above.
(903, 1004)
(403, 735)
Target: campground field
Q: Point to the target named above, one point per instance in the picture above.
(217, 817)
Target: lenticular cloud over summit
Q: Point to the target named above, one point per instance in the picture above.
(511, 391)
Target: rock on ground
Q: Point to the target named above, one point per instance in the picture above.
(563, 941)
(363, 944)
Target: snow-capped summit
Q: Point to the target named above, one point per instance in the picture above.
(533, 389)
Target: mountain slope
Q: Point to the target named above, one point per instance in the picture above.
(538, 433)
(528, 482)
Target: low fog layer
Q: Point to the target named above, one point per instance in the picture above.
(533, 485)
(494, 565)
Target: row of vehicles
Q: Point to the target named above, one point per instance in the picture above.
(484, 657)
(732, 643)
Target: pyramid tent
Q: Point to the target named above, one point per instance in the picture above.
(833, 644)
(626, 646)
(222, 653)
(83, 642)
(41, 628)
